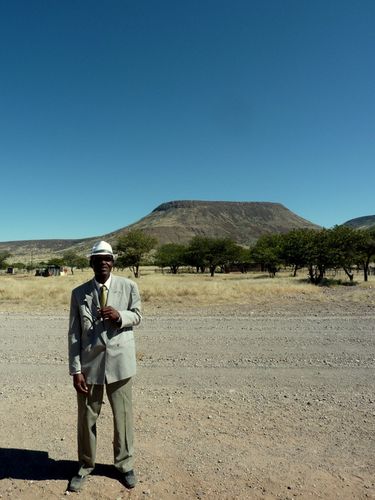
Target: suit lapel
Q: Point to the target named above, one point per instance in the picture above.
(92, 297)
(92, 304)
(114, 293)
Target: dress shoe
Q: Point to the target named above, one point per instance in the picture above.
(128, 479)
(76, 483)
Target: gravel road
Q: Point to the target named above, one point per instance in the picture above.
(236, 404)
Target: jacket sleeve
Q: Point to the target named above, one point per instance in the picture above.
(132, 315)
(74, 337)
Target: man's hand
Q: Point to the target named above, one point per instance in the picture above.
(109, 313)
(79, 383)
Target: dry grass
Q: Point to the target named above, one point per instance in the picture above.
(24, 293)
(204, 290)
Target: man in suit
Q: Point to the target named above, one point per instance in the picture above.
(103, 312)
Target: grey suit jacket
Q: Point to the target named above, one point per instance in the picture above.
(103, 351)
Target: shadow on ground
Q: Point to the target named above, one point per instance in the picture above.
(35, 465)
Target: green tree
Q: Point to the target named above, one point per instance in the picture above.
(320, 250)
(366, 250)
(170, 255)
(4, 255)
(19, 265)
(243, 259)
(267, 253)
(196, 253)
(55, 261)
(82, 262)
(132, 248)
(222, 253)
(344, 243)
(205, 252)
(319, 254)
(339, 247)
(72, 260)
(293, 248)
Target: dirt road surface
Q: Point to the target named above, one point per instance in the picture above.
(230, 404)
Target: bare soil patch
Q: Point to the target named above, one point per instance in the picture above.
(274, 401)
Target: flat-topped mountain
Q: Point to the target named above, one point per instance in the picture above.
(243, 222)
(366, 222)
(178, 222)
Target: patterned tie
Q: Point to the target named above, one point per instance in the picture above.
(103, 296)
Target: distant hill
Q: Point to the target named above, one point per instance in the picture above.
(366, 222)
(30, 250)
(244, 222)
(178, 222)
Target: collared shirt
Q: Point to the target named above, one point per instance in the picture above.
(107, 283)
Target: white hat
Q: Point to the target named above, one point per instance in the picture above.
(101, 248)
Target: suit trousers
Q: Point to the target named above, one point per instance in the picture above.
(120, 398)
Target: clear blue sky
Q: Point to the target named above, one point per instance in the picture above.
(109, 108)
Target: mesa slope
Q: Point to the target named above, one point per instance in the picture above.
(365, 222)
(243, 222)
(178, 222)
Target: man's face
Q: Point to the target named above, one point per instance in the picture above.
(102, 266)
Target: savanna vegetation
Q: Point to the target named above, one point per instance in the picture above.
(339, 248)
(317, 251)
(296, 259)
(183, 291)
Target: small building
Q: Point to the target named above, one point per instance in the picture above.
(49, 271)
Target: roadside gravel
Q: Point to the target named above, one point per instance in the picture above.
(275, 402)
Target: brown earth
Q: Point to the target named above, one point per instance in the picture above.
(273, 402)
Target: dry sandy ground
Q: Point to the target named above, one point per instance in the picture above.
(229, 404)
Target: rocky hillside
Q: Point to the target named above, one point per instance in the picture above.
(179, 221)
(244, 222)
(29, 251)
(366, 222)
